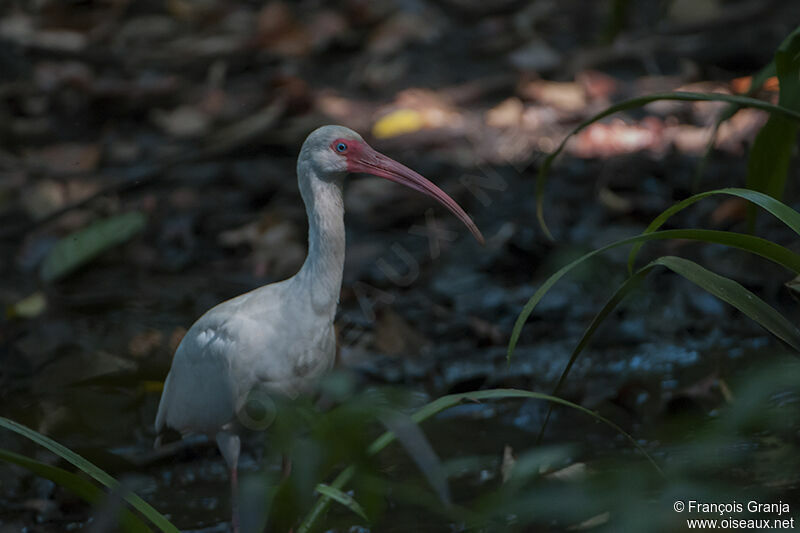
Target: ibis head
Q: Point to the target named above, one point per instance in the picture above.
(334, 151)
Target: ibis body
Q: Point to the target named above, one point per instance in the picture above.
(279, 337)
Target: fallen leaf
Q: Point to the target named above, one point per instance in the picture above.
(29, 307)
(398, 123)
(729, 210)
(742, 85)
(597, 85)
(506, 114)
(80, 247)
(618, 137)
(564, 96)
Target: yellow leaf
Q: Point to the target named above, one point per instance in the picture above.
(397, 123)
(29, 307)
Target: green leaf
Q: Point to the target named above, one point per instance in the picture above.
(767, 249)
(629, 285)
(413, 439)
(733, 293)
(723, 288)
(80, 247)
(80, 487)
(89, 468)
(342, 498)
(787, 67)
(633, 103)
(781, 211)
(771, 153)
(446, 402)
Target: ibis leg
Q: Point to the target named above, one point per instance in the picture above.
(230, 445)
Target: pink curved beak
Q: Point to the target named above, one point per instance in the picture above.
(363, 158)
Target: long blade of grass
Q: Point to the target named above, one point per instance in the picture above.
(633, 103)
(723, 288)
(78, 486)
(735, 294)
(757, 81)
(771, 153)
(92, 470)
(629, 285)
(413, 439)
(439, 405)
(342, 498)
(756, 245)
(781, 211)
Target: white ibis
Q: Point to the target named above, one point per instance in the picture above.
(279, 337)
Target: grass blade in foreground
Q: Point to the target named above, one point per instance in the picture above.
(342, 498)
(723, 288)
(771, 153)
(735, 294)
(781, 211)
(445, 402)
(633, 103)
(764, 248)
(89, 468)
(80, 487)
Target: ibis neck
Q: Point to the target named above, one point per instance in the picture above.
(321, 274)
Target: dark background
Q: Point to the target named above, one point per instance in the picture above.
(192, 113)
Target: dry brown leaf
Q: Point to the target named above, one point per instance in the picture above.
(597, 85)
(729, 210)
(506, 114)
(564, 96)
(618, 137)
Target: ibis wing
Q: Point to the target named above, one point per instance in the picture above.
(199, 395)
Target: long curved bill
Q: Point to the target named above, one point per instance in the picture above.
(365, 159)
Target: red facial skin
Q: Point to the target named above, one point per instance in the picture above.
(361, 157)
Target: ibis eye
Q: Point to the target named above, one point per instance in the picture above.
(341, 147)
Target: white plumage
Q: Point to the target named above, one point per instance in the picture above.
(280, 336)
